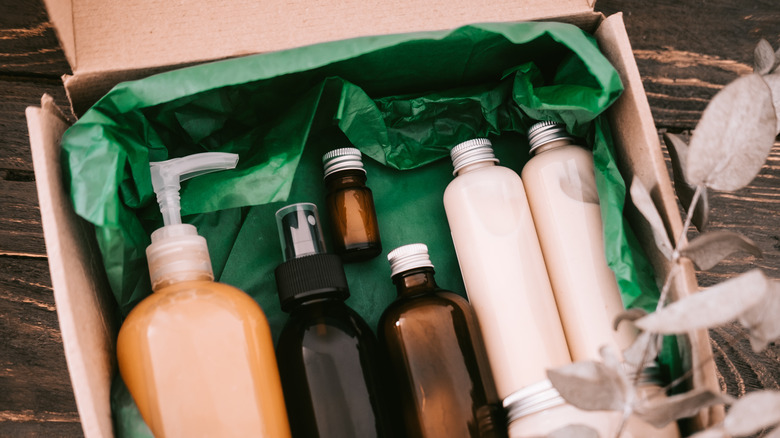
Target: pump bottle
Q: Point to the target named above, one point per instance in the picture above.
(560, 184)
(439, 361)
(332, 375)
(197, 355)
(503, 269)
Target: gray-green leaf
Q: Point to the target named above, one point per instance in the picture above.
(678, 152)
(588, 385)
(642, 352)
(628, 315)
(753, 412)
(774, 434)
(777, 60)
(661, 411)
(717, 305)
(708, 249)
(773, 82)
(644, 203)
(762, 320)
(734, 136)
(574, 431)
(763, 57)
(713, 432)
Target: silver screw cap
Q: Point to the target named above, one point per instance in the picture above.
(408, 257)
(532, 399)
(470, 152)
(545, 132)
(342, 159)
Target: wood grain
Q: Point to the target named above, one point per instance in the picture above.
(686, 51)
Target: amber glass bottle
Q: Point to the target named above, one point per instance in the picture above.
(332, 377)
(350, 206)
(438, 358)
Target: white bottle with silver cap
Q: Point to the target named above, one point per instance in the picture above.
(560, 184)
(503, 268)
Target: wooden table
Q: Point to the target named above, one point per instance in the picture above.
(686, 51)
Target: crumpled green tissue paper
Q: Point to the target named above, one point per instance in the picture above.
(404, 100)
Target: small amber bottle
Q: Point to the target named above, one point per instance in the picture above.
(435, 349)
(350, 206)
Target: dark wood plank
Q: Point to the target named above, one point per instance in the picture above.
(33, 375)
(16, 94)
(28, 43)
(20, 219)
(687, 50)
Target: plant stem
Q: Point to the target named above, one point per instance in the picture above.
(689, 215)
(681, 241)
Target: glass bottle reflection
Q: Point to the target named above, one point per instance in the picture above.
(438, 358)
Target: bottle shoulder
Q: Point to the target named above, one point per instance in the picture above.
(569, 153)
(484, 176)
(333, 315)
(420, 305)
(194, 298)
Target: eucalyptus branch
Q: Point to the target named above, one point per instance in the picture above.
(689, 216)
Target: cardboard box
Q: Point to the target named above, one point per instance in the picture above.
(109, 42)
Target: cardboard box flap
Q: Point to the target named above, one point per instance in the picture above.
(85, 312)
(127, 35)
(640, 156)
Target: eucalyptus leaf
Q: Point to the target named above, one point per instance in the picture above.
(773, 82)
(777, 61)
(628, 315)
(678, 152)
(574, 431)
(753, 412)
(774, 434)
(708, 249)
(717, 305)
(763, 57)
(642, 352)
(762, 320)
(713, 432)
(644, 203)
(734, 136)
(661, 411)
(591, 386)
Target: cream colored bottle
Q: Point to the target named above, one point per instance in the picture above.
(561, 187)
(197, 355)
(560, 184)
(503, 269)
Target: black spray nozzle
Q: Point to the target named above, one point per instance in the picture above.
(307, 271)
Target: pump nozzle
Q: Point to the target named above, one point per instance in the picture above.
(168, 175)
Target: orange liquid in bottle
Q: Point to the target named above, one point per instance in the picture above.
(198, 358)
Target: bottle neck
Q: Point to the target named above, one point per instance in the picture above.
(550, 146)
(177, 253)
(180, 277)
(414, 281)
(314, 302)
(474, 166)
(345, 178)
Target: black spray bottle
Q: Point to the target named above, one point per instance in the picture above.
(328, 357)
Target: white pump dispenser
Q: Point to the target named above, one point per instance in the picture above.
(177, 251)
